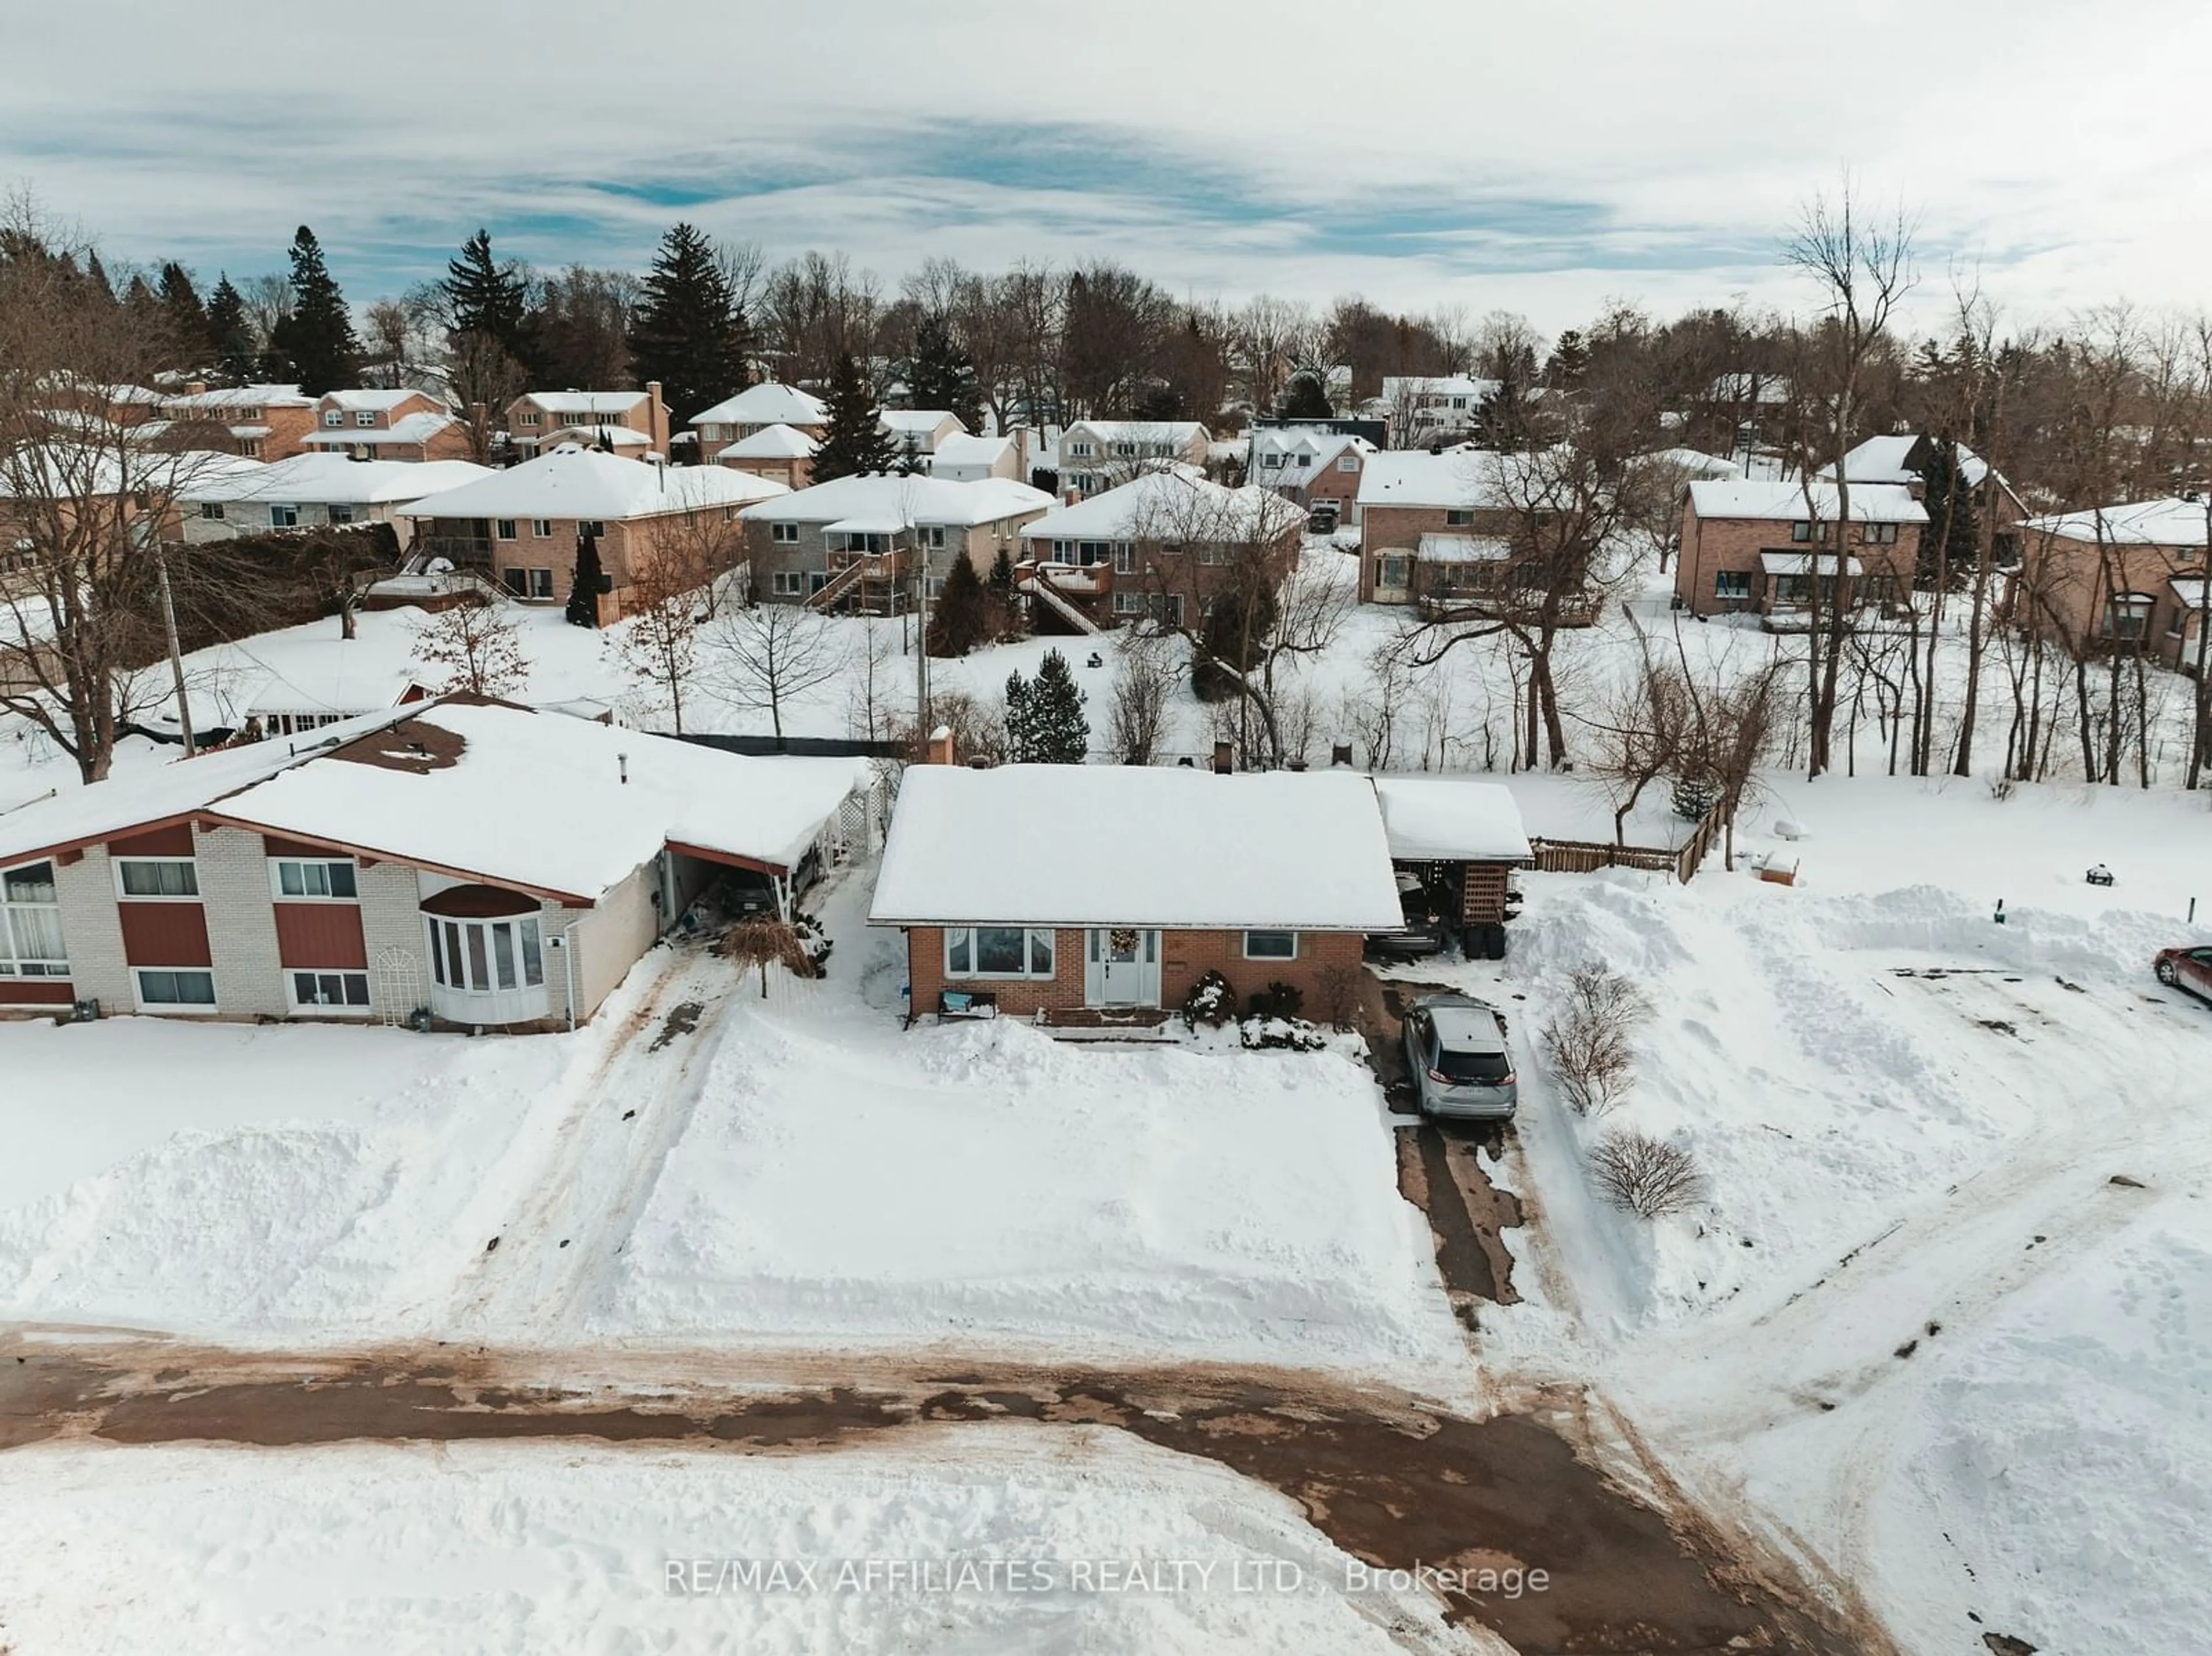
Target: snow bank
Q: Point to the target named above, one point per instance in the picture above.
(988, 1186)
(473, 1546)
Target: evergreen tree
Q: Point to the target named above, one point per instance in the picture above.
(95, 273)
(1953, 536)
(229, 333)
(587, 583)
(1570, 361)
(483, 296)
(853, 442)
(317, 337)
(1002, 573)
(1045, 723)
(942, 376)
(960, 614)
(688, 332)
(1305, 397)
(187, 318)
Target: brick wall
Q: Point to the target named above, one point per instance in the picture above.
(241, 923)
(1185, 956)
(1400, 528)
(1710, 545)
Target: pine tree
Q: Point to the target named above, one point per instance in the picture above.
(1952, 540)
(317, 337)
(960, 614)
(1045, 723)
(1305, 397)
(688, 333)
(186, 316)
(853, 443)
(587, 583)
(1002, 573)
(1569, 362)
(229, 333)
(483, 296)
(942, 376)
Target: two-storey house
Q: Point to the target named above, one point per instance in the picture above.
(630, 423)
(371, 424)
(752, 411)
(258, 422)
(1100, 454)
(858, 543)
(1762, 545)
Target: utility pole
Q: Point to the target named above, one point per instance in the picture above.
(176, 655)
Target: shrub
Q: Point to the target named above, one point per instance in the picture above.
(1648, 1176)
(1277, 1000)
(1692, 795)
(1588, 1040)
(1286, 1033)
(1210, 1001)
(2001, 788)
(1337, 1002)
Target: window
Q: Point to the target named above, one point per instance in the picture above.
(485, 955)
(333, 880)
(249, 448)
(593, 527)
(1348, 463)
(1731, 583)
(788, 582)
(1304, 460)
(367, 422)
(784, 534)
(998, 951)
(1391, 570)
(1881, 534)
(167, 877)
(284, 517)
(1213, 552)
(529, 417)
(1128, 604)
(1459, 519)
(1271, 462)
(538, 584)
(541, 529)
(249, 417)
(2127, 614)
(162, 989)
(1082, 451)
(31, 924)
(1271, 945)
(332, 420)
(341, 514)
(1125, 450)
(1125, 557)
(1801, 531)
(506, 531)
(343, 992)
(211, 510)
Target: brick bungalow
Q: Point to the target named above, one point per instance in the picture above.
(465, 860)
(309, 491)
(2121, 577)
(1756, 545)
(1265, 878)
(520, 527)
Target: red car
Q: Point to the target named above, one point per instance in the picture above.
(2185, 968)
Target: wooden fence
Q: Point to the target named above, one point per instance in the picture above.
(1587, 856)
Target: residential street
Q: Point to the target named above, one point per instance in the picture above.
(1387, 1477)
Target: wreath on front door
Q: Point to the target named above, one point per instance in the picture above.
(1124, 939)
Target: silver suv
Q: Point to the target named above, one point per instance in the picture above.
(1461, 1067)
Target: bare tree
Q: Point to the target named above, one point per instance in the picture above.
(656, 640)
(1645, 732)
(478, 647)
(1862, 271)
(1590, 1037)
(1137, 716)
(1648, 1176)
(765, 657)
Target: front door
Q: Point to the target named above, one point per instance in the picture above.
(1124, 966)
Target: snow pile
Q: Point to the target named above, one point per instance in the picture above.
(986, 1184)
(483, 1547)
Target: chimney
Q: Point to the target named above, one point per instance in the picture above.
(656, 415)
(1340, 754)
(940, 746)
(621, 768)
(196, 388)
(1223, 763)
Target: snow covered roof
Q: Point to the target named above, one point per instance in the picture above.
(333, 479)
(1397, 387)
(1288, 850)
(1463, 549)
(1170, 503)
(775, 442)
(1433, 819)
(938, 501)
(766, 405)
(1460, 478)
(1883, 460)
(369, 400)
(570, 404)
(2188, 594)
(1749, 388)
(613, 436)
(1320, 448)
(341, 681)
(71, 470)
(2144, 523)
(1778, 499)
(239, 397)
(419, 428)
(915, 421)
(1696, 463)
(484, 790)
(965, 449)
(577, 482)
(1168, 434)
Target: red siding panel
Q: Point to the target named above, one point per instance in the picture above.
(320, 934)
(175, 841)
(36, 992)
(271, 845)
(164, 934)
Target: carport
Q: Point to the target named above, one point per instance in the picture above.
(1460, 838)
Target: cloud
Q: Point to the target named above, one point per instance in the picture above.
(1424, 151)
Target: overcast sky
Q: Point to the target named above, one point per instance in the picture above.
(1537, 156)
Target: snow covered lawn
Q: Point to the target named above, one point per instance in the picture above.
(510, 1548)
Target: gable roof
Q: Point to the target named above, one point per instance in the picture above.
(240, 396)
(373, 400)
(417, 428)
(1783, 500)
(514, 798)
(775, 442)
(1171, 433)
(1887, 460)
(766, 405)
(1278, 851)
(1460, 478)
(2170, 522)
(1321, 447)
(570, 404)
(886, 497)
(1431, 819)
(574, 482)
(335, 480)
(965, 449)
(921, 421)
(1170, 502)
